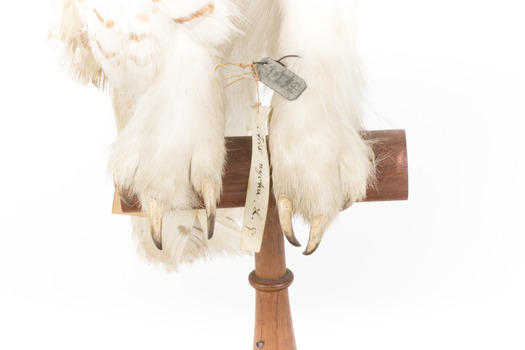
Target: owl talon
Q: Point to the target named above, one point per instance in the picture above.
(209, 196)
(317, 230)
(125, 194)
(155, 220)
(285, 209)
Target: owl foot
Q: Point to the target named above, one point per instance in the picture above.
(155, 210)
(168, 177)
(320, 165)
(317, 189)
(319, 201)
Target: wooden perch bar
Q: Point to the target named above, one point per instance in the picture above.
(392, 170)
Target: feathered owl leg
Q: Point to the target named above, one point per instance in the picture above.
(157, 59)
(320, 162)
(172, 150)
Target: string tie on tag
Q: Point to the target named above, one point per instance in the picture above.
(279, 60)
(253, 75)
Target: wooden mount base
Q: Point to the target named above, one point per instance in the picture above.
(276, 285)
(271, 278)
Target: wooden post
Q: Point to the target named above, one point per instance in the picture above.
(271, 278)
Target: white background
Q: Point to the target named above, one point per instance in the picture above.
(445, 269)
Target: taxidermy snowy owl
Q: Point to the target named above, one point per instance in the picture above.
(158, 60)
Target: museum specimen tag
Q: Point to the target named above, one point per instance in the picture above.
(280, 79)
(258, 191)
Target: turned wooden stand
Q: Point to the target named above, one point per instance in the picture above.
(271, 278)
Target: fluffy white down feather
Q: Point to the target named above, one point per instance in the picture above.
(157, 57)
(185, 241)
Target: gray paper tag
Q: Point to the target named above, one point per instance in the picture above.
(280, 79)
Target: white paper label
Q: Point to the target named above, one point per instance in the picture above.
(258, 192)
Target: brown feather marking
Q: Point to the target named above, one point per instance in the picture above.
(109, 23)
(100, 18)
(106, 54)
(184, 230)
(139, 62)
(84, 40)
(137, 37)
(206, 10)
(143, 16)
